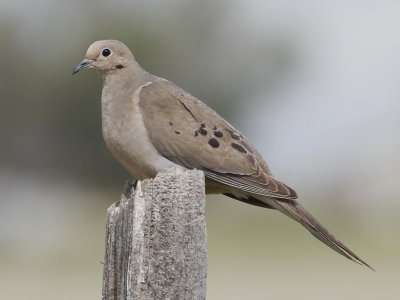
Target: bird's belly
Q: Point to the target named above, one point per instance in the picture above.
(129, 144)
(137, 155)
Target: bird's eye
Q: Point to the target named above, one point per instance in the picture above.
(106, 52)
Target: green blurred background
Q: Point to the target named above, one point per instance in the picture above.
(314, 84)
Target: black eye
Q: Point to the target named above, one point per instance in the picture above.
(106, 52)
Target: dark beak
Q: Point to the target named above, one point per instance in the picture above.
(84, 64)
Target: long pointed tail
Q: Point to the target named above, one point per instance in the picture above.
(297, 212)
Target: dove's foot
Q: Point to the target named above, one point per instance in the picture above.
(129, 184)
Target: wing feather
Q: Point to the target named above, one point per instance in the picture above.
(189, 133)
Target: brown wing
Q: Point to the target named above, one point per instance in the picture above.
(191, 134)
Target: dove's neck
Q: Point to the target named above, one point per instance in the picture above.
(124, 80)
(117, 97)
(118, 89)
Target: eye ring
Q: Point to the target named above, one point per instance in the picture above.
(106, 52)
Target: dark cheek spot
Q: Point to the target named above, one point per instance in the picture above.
(218, 134)
(213, 143)
(170, 123)
(238, 148)
(119, 66)
(196, 133)
(177, 132)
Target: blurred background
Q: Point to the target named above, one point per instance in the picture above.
(314, 85)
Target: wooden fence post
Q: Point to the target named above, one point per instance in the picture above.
(156, 240)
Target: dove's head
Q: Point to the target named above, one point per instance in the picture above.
(107, 56)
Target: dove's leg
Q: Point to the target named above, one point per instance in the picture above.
(129, 184)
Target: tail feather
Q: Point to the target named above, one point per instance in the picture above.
(297, 212)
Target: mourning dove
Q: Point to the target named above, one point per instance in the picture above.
(149, 124)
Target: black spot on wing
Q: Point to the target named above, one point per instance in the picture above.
(234, 135)
(238, 148)
(218, 134)
(203, 129)
(213, 143)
